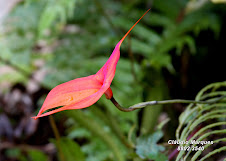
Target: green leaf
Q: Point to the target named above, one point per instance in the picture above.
(161, 157)
(79, 133)
(37, 155)
(70, 149)
(48, 16)
(14, 152)
(162, 60)
(147, 147)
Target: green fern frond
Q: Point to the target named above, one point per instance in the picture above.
(211, 118)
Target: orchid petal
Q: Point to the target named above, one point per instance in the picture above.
(84, 92)
(108, 70)
(71, 92)
(86, 102)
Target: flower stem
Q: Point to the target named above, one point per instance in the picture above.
(57, 136)
(150, 103)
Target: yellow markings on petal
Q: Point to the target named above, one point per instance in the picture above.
(69, 98)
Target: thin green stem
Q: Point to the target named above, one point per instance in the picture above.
(57, 136)
(150, 103)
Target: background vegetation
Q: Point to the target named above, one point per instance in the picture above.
(177, 49)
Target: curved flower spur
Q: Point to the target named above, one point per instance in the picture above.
(84, 92)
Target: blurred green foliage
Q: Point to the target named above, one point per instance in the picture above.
(34, 155)
(70, 149)
(74, 38)
(147, 147)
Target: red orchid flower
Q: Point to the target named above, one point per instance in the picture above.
(84, 92)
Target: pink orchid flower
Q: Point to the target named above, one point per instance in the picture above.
(84, 92)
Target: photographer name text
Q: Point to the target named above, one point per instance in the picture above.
(191, 145)
(174, 142)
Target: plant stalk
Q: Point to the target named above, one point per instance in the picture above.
(57, 136)
(150, 103)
